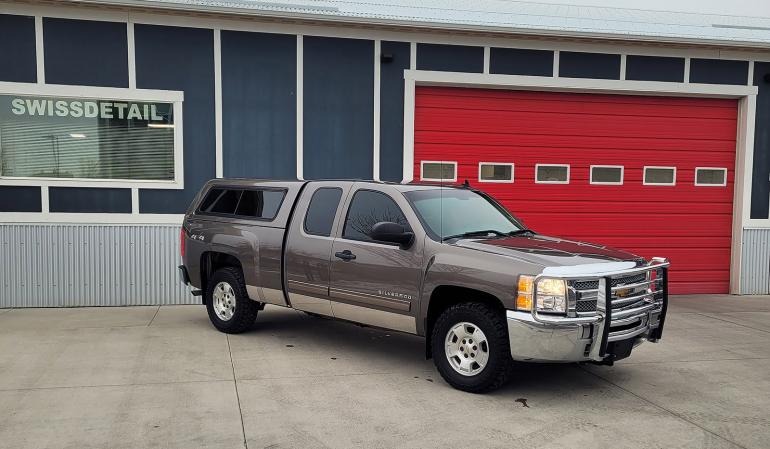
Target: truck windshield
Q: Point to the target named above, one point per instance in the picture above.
(450, 212)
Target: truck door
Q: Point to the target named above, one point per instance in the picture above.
(375, 282)
(309, 245)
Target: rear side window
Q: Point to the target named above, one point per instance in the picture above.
(367, 209)
(321, 211)
(261, 204)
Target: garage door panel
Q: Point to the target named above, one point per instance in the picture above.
(523, 142)
(615, 207)
(616, 109)
(523, 95)
(579, 125)
(646, 243)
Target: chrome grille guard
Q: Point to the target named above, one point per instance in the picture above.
(655, 301)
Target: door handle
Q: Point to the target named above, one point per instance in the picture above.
(345, 255)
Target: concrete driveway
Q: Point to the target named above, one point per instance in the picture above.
(140, 377)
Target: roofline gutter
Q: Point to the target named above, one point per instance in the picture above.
(433, 26)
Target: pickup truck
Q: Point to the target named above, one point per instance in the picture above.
(446, 262)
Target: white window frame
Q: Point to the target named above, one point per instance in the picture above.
(498, 181)
(537, 167)
(422, 170)
(104, 93)
(591, 175)
(644, 176)
(722, 169)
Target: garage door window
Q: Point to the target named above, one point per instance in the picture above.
(552, 174)
(438, 171)
(660, 176)
(607, 174)
(708, 176)
(495, 172)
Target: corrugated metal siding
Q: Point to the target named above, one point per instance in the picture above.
(68, 265)
(755, 262)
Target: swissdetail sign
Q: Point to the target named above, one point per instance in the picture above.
(122, 110)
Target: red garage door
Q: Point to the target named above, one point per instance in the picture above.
(652, 175)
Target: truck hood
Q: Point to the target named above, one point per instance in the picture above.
(550, 251)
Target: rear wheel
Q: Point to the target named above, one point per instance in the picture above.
(229, 307)
(470, 347)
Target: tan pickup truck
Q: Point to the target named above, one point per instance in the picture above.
(445, 262)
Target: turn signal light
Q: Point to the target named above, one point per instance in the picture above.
(524, 298)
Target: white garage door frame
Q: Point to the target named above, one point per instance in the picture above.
(744, 152)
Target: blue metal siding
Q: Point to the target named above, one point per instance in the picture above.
(719, 71)
(450, 58)
(175, 58)
(85, 52)
(654, 68)
(338, 113)
(17, 49)
(259, 105)
(515, 61)
(89, 200)
(589, 65)
(760, 187)
(20, 199)
(392, 110)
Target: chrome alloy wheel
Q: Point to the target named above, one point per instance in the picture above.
(466, 349)
(224, 301)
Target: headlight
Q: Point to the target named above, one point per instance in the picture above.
(551, 294)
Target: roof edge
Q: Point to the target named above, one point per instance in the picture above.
(425, 25)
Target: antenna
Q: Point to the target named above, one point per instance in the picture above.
(466, 184)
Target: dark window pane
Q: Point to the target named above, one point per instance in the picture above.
(320, 214)
(659, 175)
(260, 203)
(226, 202)
(711, 176)
(367, 209)
(553, 173)
(606, 175)
(210, 199)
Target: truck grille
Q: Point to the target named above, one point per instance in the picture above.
(632, 299)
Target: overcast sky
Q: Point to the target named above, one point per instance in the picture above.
(731, 7)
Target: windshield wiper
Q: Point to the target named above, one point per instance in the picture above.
(521, 231)
(474, 234)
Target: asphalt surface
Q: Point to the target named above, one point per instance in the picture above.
(142, 377)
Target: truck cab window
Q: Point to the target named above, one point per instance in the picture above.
(321, 211)
(368, 208)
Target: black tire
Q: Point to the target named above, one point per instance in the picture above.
(491, 322)
(245, 311)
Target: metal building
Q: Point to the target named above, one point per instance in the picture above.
(644, 130)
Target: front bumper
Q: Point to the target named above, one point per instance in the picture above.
(605, 336)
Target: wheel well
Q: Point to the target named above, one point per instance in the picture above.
(211, 261)
(446, 296)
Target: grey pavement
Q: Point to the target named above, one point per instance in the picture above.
(145, 377)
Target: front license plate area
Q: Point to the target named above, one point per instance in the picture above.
(620, 349)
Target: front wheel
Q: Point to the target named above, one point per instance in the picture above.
(470, 347)
(229, 307)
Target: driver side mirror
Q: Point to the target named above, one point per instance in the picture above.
(387, 231)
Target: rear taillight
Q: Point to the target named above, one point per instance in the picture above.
(181, 242)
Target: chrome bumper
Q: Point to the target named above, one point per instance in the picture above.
(538, 337)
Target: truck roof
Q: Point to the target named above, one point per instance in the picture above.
(253, 182)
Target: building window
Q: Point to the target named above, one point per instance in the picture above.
(89, 140)
(660, 176)
(495, 172)
(441, 171)
(552, 174)
(710, 176)
(607, 174)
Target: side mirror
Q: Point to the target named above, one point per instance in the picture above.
(387, 231)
